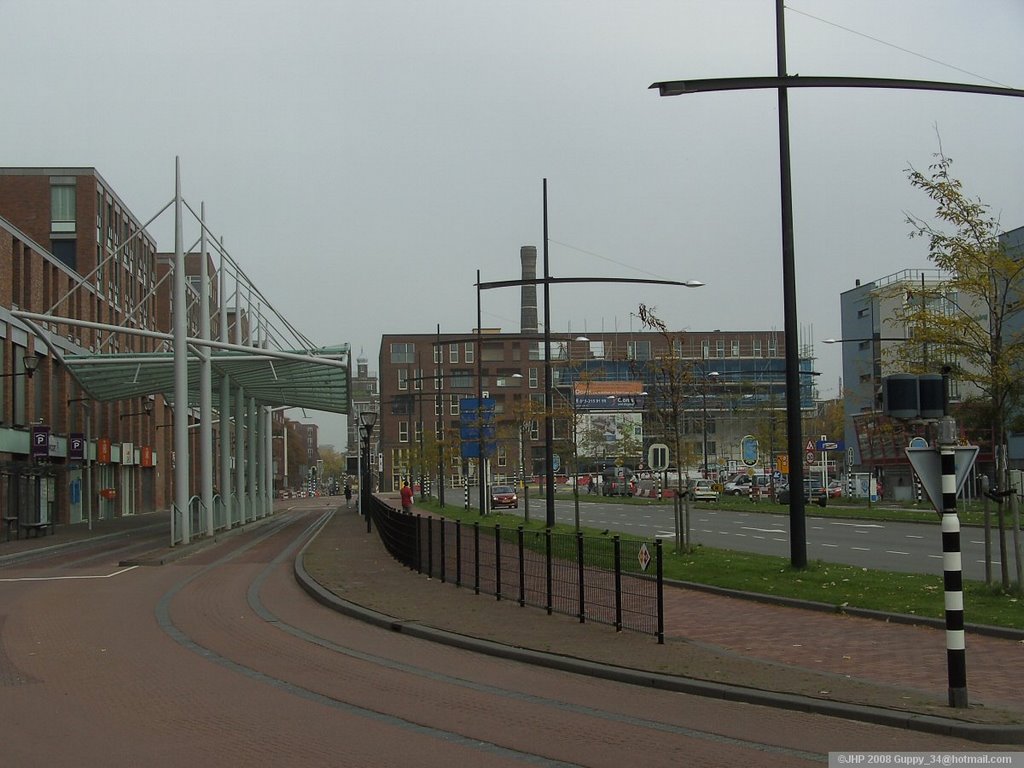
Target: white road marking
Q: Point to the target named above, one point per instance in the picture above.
(857, 525)
(895, 552)
(764, 530)
(70, 578)
(862, 549)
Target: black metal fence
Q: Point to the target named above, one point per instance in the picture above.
(602, 579)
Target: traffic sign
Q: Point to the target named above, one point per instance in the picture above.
(556, 462)
(748, 449)
(849, 456)
(928, 466)
(657, 457)
(829, 445)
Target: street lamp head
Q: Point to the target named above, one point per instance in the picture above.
(693, 284)
(147, 405)
(31, 362)
(368, 419)
(713, 374)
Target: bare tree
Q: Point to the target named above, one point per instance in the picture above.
(671, 383)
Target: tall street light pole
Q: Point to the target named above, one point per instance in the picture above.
(547, 280)
(367, 420)
(704, 424)
(798, 530)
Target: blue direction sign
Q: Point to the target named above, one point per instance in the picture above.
(476, 426)
(829, 445)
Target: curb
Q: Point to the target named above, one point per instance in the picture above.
(977, 732)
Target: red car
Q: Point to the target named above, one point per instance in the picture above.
(835, 489)
(504, 496)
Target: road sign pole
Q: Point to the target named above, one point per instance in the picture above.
(956, 651)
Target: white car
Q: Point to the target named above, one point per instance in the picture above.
(703, 490)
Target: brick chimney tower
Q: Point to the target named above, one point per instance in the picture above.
(528, 317)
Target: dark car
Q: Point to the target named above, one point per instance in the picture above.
(504, 496)
(618, 482)
(812, 492)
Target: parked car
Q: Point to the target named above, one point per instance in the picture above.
(703, 490)
(812, 492)
(504, 496)
(835, 489)
(740, 485)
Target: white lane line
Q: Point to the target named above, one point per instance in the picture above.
(895, 552)
(764, 530)
(861, 549)
(830, 545)
(70, 578)
(858, 525)
(912, 536)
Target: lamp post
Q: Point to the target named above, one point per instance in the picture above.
(147, 410)
(29, 363)
(283, 437)
(712, 375)
(367, 421)
(574, 426)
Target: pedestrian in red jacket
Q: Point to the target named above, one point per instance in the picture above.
(406, 497)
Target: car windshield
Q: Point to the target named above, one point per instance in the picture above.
(502, 489)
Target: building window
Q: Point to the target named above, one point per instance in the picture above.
(705, 349)
(469, 352)
(403, 431)
(773, 347)
(638, 350)
(403, 353)
(535, 429)
(453, 353)
(462, 377)
(502, 456)
(62, 207)
(453, 409)
(863, 312)
(438, 354)
(417, 383)
(403, 379)
(735, 347)
(757, 348)
(534, 381)
(720, 348)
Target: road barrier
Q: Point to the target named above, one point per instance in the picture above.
(595, 578)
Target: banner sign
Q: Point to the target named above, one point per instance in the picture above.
(76, 447)
(610, 402)
(40, 441)
(103, 450)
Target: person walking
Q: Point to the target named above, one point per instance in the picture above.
(348, 495)
(406, 498)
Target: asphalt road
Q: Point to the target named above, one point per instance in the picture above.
(221, 659)
(891, 546)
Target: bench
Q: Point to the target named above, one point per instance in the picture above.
(36, 528)
(11, 524)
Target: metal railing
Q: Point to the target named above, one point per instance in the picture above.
(604, 579)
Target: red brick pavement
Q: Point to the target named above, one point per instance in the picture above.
(709, 636)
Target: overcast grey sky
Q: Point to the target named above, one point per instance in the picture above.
(363, 159)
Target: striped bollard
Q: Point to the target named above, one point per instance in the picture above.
(956, 647)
